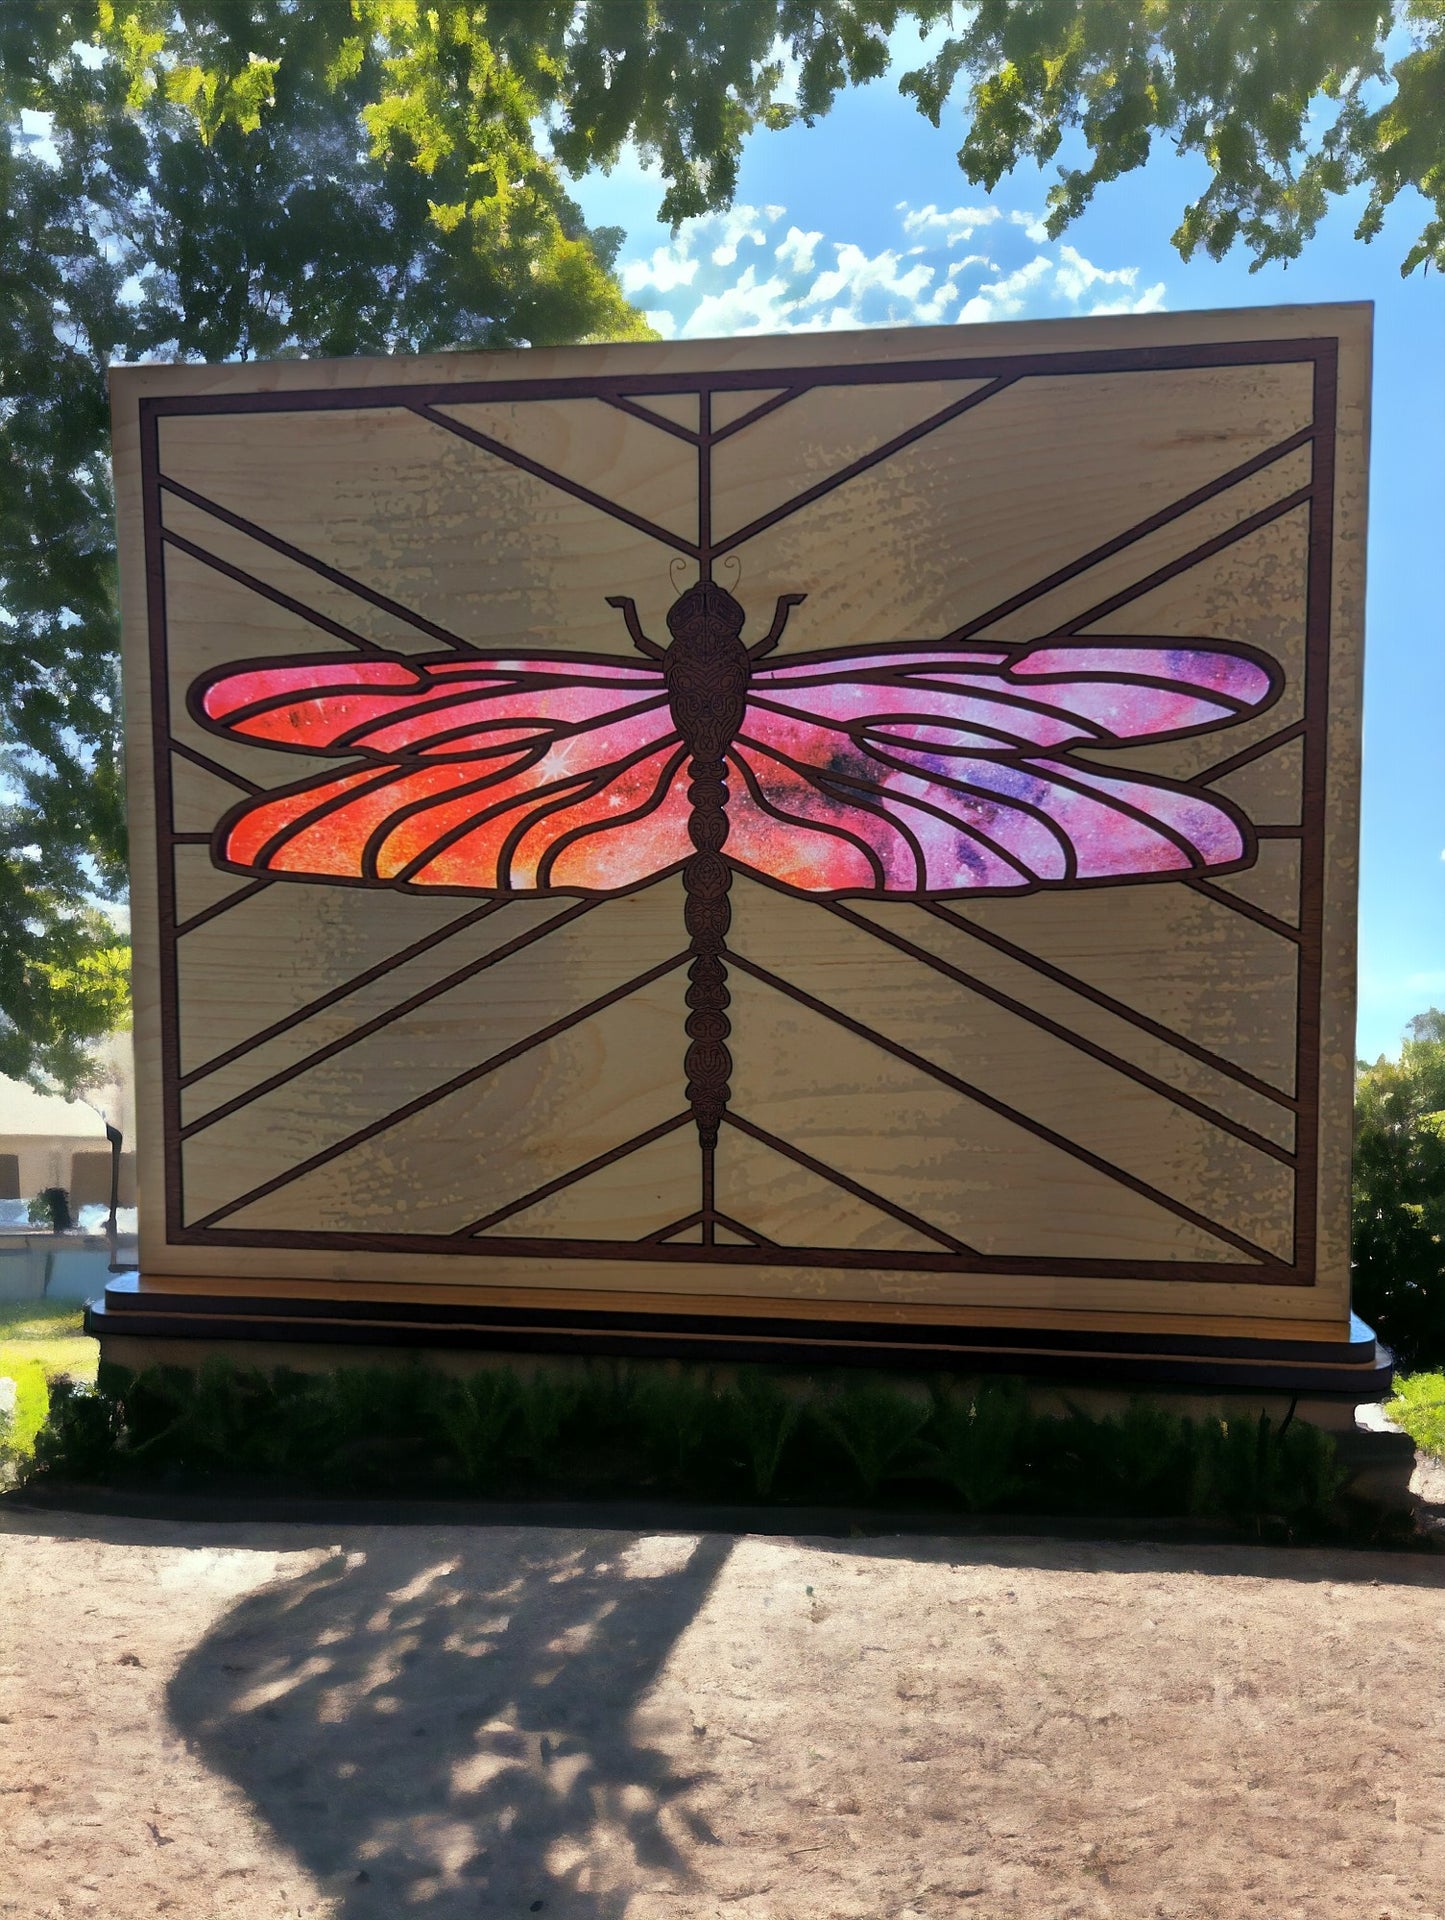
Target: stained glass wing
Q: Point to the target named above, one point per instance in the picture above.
(912, 770)
(489, 776)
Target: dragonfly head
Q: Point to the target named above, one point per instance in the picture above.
(706, 612)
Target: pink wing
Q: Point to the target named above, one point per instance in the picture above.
(482, 775)
(917, 769)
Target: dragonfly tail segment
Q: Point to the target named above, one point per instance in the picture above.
(707, 668)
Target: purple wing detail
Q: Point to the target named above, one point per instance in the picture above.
(909, 769)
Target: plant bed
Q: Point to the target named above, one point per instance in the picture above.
(758, 1451)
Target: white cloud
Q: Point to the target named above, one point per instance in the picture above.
(743, 223)
(971, 260)
(1006, 299)
(945, 229)
(1033, 226)
(699, 290)
(796, 249)
(670, 267)
(1076, 277)
(749, 306)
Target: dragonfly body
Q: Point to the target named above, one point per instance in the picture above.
(706, 669)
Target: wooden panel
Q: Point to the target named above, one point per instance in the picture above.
(969, 1076)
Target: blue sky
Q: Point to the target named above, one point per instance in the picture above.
(866, 220)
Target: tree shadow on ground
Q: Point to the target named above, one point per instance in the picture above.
(442, 1725)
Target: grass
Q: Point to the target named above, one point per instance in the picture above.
(1419, 1407)
(47, 1331)
(39, 1339)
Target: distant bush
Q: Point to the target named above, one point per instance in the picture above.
(643, 1430)
(1419, 1407)
(1399, 1196)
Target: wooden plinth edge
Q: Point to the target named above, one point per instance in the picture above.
(1333, 1360)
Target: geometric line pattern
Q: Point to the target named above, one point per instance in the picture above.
(778, 391)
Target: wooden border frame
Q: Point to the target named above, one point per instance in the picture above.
(628, 390)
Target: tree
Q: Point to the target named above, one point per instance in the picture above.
(238, 178)
(234, 183)
(1399, 1195)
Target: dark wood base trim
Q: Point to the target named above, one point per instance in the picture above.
(1357, 1366)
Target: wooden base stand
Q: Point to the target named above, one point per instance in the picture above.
(135, 1311)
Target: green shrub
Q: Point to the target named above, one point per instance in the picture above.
(18, 1430)
(1419, 1407)
(876, 1426)
(1398, 1195)
(973, 1443)
(623, 1428)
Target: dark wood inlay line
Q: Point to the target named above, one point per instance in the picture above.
(273, 594)
(217, 908)
(357, 981)
(1318, 613)
(862, 465)
(1081, 361)
(501, 451)
(570, 1178)
(667, 1233)
(320, 567)
(1005, 1112)
(749, 1234)
(1247, 755)
(454, 1085)
(1139, 531)
(834, 1178)
(1195, 557)
(1238, 904)
(214, 767)
(1120, 1008)
(1174, 1095)
(384, 1019)
(624, 405)
(758, 412)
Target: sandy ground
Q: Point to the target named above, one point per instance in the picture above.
(272, 1721)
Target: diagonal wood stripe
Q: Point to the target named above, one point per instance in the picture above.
(1000, 1107)
(273, 594)
(624, 405)
(756, 413)
(664, 1234)
(1154, 521)
(217, 908)
(353, 985)
(1143, 1021)
(454, 1085)
(502, 451)
(573, 1175)
(837, 1179)
(210, 766)
(862, 465)
(1060, 1032)
(1206, 550)
(1238, 904)
(747, 1233)
(327, 572)
(1247, 755)
(385, 1018)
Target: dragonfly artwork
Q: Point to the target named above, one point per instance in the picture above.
(834, 843)
(733, 655)
(916, 769)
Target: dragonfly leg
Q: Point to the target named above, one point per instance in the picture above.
(786, 603)
(628, 608)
